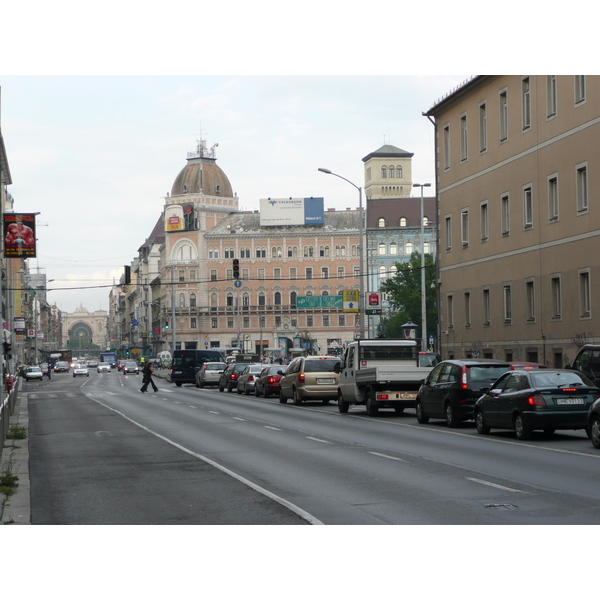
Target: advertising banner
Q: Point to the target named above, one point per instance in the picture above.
(19, 235)
(291, 211)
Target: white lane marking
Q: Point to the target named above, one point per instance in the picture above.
(308, 437)
(495, 485)
(295, 509)
(273, 428)
(390, 457)
(214, 412)
(239, 419)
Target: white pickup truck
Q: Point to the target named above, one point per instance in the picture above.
(382, 373)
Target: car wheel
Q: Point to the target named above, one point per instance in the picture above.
(451, 419)
(523, 433)
(178, 383)
(282, 398)
(229, 388)
(594, 430)
(480, 425)
(296, 397)
(421, 416)
(343, 406)
(372, 408)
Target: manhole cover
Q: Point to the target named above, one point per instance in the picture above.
(502, 506)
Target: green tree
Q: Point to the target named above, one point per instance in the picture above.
(404, 295)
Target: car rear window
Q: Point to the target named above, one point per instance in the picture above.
(321, 365)
(214, 366)
(560, 379)
(483, 374)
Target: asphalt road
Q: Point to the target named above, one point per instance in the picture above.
(101, 452)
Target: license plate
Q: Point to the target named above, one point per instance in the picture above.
(325, 380)
(406, 395)
(570, 400)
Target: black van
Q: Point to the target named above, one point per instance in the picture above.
(186, 362)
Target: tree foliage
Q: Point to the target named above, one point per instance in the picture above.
(404, 295)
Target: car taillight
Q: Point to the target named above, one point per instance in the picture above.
(464, 379)
(250, 377)
(301, 378)
(536, 401)
(271, 380)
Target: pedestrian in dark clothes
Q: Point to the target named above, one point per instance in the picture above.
(147, 373)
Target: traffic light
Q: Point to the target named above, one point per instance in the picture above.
(127, 274)
(236, 268)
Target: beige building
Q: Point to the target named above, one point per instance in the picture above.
(518, 229)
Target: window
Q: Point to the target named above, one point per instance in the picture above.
(341, 320)
(581, 187)
(262, 299)
(464, 149)
(229, 253)
(341, 274)
(230, 324)
(214, 323)
(382, 272)
(467, 309)
(356, 272)
(482, 127)
(527, 207)
(324, 251)
(530, 300)
(229, 299)
(309, 321)
(277, 298)
(309, 273)
(325, 320)
(556, 297)
(277, 273)
(484, 221)
(579, 89)
(213, 274)
(409, 248)
(246, 322)
(446, 147)
(181, 299)
(448, 234)
(192, 299)
(181, 275)
(391, 172)
(293, 296)
(507, 295)
(503, 115)
(393, 248)
(450, 303)
(551, 100)
(381, 222)
(309, 251)
(402, 222)
(584, 293)
(526, 103)
(324, 272)
(382, 249)
(277, 321)
(293, 273)
(245, 274)
(505, 214)
(214, 302)
(399, 172)
(193, 323)
(229, 274)
(261, 252)
(464, 227)
(383, 172)
(487, 310)
(261, 273)
(553, 197)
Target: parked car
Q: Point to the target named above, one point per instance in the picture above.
(209, 373)
(587, 362)
(80, 369)
(267, 382)
(32, 373)
(247, 378)
(593, 424)
(452, 388)
(61, 366)
(103, 367)
(548, 399)
(229, 377)
(310, 378)
(130, 366)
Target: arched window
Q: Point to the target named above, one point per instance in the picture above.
(192, 299)
(273, 252)
(393, 248)
(293, 296)
(181, 299)
(354, 252)
(393, 270)
(277, 298)
(382, 272)
(402, 221)
(399, 172)
(425, 247)
(381, 222)
(383, 173)
(214, 302)
(343, 250)
(229, 299)
(391, 172)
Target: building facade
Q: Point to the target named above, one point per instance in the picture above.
(519, 230)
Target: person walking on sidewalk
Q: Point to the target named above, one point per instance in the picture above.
(147, 373)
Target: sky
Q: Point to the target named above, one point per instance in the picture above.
(96, 155)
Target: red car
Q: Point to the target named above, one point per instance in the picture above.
(267, 382)
(120, 365)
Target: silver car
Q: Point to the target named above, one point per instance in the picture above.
(81, 370)
(209, 373)
(103, 367)
(247, 379)
(33, 373)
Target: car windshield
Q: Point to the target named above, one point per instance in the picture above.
(484, 374)
(130, 364)
(321, 365)
(559, 379)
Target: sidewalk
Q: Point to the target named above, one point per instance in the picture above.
(15, 509)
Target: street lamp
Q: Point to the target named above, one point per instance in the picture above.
(361, 293)
(423, 291)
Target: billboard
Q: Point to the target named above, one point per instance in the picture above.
(19, 235)
(291, 211)
(180, 217)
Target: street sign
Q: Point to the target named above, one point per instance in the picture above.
(318, 302)
(350, 299)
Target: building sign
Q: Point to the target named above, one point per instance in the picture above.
(291, 211)
(373, 304)
(19, 234)
(180, 217)
(19, 325)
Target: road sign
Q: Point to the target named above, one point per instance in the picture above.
(350, 299)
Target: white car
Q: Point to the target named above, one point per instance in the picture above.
(103, 367)
(80, 369)
(33, 373)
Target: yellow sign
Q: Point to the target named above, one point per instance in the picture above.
(350, 300)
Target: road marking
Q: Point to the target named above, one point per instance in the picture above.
(308, 437)
(273, 428)
(390, 457)
(239, 419)
(495, 485)
(214, 412)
